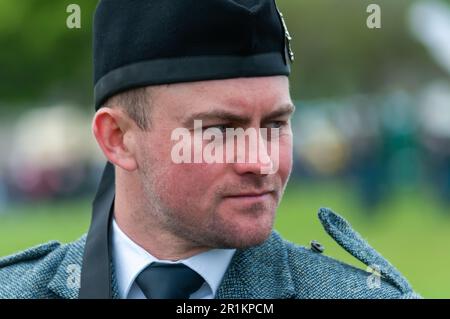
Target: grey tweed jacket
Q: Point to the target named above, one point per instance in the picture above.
(275, 269)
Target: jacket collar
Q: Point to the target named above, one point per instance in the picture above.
(260, 272)
(66, 281)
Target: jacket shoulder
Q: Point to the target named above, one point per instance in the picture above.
(26, 274)
(29, 255)
(319, 276)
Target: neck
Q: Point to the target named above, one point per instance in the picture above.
(161, 245)
(144, 227)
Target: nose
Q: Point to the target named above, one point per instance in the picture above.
(252, 168)
(253, 156)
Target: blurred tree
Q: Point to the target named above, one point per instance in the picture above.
(40, 56)
(336, 54)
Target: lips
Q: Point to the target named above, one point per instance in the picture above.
(250, 199)
(250, 194)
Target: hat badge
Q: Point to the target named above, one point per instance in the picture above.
(287, 36)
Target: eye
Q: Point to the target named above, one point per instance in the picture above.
(278, 124)
(221, 127)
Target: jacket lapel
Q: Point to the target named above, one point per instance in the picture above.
(66, 281)
(260, 272)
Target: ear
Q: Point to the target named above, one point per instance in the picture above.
(114, 131)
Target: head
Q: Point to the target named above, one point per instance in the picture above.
(199, 203)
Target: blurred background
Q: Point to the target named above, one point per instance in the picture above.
(371, 131)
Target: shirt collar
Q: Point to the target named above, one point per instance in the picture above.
(130, 259)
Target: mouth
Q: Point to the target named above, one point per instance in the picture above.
(251, 196)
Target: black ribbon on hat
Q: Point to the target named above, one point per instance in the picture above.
(136, 44)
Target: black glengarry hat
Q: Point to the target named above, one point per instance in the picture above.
(149, 42)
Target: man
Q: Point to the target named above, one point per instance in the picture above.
(193, 229)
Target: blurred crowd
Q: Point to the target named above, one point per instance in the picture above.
(379, 143)
(48, 153)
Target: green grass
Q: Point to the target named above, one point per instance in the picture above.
(410, 228)
(25, 225)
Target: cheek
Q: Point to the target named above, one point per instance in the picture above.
(189, 184)
(285, 158)
(177, 184)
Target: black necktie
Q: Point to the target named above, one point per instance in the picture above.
(168, 281)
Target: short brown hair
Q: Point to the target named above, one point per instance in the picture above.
(136, 102)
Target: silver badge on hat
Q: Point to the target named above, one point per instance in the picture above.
(287, 36)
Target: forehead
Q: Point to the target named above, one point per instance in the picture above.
(241, 95)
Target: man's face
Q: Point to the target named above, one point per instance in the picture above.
(220, 205)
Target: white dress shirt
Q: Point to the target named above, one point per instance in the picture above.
(130, 259)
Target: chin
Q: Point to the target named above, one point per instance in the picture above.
(255, 239)
(244, 237)
(239, 229)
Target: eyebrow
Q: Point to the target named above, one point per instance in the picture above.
(283, 110)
